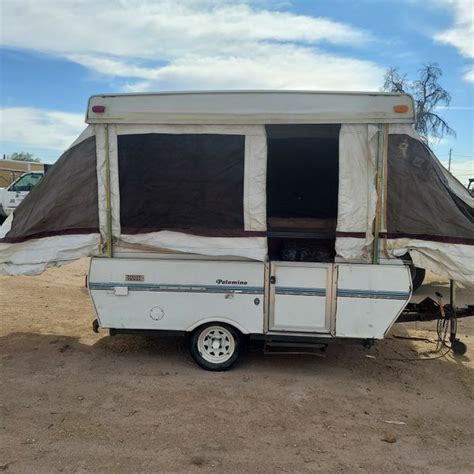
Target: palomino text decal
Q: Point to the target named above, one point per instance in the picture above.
(230, 282)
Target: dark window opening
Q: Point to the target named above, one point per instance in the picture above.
(302, 191)
(181, 182)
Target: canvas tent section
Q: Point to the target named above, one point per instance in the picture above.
(216, 174)
(425, 211)
(187, 188)
(357, 192)
(58, 221)
(429, 214)
(196, 189)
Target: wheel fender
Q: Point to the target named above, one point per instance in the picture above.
(230, 322)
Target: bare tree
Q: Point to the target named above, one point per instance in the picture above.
(428, 95)
(22, 156)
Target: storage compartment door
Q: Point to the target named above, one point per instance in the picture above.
(298, 297)
(370, 298)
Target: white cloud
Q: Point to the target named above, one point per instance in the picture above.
(193, 44)
(265, 66)
(454, 107)
(161, 28)
(461, 34)
(469, 75)
(40, 128)
(437, 141)
(462, 169)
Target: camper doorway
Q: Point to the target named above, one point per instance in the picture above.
(302, 192)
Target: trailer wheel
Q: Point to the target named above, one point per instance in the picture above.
(215, 346)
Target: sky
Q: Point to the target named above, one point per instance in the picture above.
(56, 53)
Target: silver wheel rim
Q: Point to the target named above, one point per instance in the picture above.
(216, 344)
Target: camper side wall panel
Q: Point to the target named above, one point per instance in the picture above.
(370, 298)
(177, 294)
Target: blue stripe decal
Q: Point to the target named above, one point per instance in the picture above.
(289, 290)
(390, 295)
(279, 290)
(178, 288)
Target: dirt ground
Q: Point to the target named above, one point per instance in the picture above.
(75, 401)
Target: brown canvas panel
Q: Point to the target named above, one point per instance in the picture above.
(64, 202)
(419, 201)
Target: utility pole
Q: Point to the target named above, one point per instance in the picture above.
(449, 162)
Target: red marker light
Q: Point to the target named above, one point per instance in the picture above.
(98, 109)
(400, 109)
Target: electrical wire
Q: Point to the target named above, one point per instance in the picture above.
(442, 328)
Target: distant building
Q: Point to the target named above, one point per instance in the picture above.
(12, 169)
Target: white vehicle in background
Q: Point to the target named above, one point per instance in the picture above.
(12, 196)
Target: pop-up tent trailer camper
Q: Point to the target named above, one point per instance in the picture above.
(280, 215)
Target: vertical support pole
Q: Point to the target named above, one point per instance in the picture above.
(108, 198)
(380, 187)
(452, 303)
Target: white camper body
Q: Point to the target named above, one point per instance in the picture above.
(346, 300)
(226, 290)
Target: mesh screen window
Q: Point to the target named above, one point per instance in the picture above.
(181, 182)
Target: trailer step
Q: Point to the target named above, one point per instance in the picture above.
(273, 346)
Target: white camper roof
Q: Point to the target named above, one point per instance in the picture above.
(251, 107)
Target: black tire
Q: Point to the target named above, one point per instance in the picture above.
(459, 347)
(225, 355)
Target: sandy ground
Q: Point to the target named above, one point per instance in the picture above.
(75, 401)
